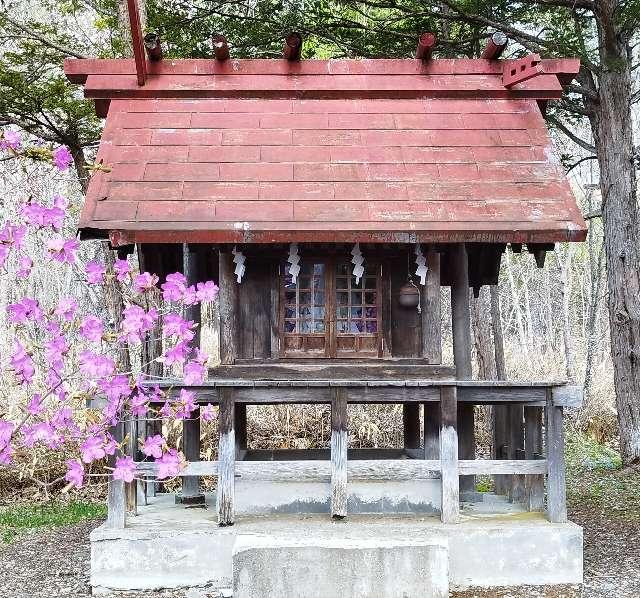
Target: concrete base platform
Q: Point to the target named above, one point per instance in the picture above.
(170, 546)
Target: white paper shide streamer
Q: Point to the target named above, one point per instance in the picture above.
(294, 260)
(357, 260)
(239, 259)
(421, 263)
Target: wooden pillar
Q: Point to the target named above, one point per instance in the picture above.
(534, 484)
(431, 431)
(516, 450)
(450, 489)
(240, 421)
(228, 302)
(431, 318)
(500, 445)
(411, 425)
(131, 489)
(556, 483)
(191, 493)
(339, 441)
(461, 328)
(116, 500)
(226, 458)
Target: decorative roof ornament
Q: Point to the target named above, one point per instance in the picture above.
(239, 259)
(294, 260)
(421, 263)
(357, 260)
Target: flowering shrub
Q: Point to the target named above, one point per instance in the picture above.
(56, 380)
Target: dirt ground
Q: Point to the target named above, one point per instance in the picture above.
(56, 563)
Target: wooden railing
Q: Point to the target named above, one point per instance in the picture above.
(531, 471)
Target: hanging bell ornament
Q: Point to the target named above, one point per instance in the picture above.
(409, 295)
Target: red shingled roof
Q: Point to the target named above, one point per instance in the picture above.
(376, 154)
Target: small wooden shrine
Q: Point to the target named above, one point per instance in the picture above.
(332, 200)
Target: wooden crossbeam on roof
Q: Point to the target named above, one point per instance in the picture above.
(137, 41)
(426, 43)
(495, 46)
(220, 47)
(293, 46)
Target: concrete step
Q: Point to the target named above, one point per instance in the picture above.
(279, 567)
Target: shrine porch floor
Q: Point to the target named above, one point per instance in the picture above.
(495, 544)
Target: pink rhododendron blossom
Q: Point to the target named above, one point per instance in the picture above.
(75, 473)
(174, 288)
(54, 351)
(62, 158)
(189, 296)
(169, 465)
(34, 406)
(175, 325)
(193, 372)
(137, 322)
(115, 388)
(13, 234)
(185, 404)
(139, 404)
(40, 216)
(6, 431)
(207, 413)
(66, 309)
(63, 250)
(6, 455)
(62, 419)
(125, 469)
(22, 364)
(165, 410)
(10, 140)
(152, 446)
(95, 366)
(92, 449)
(25, 264)
(177, 354)
(23, 310)
(122, 269)
(95, 272)
(145, 281)
(42, 432)
(207, 291)
(91, 329)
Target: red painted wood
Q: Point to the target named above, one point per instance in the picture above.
(137, 41)
(523, 69)
(322, 86)
(251, 170)
(77, 70)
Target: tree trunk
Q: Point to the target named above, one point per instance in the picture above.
(612, 131)
(565, 280)
(498, 337)
(482, 341)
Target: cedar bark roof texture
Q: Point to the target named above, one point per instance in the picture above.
(369, 150)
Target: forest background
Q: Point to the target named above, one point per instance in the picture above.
(551, 323)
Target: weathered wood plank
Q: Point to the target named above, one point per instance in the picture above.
(534, 484)
(450, 486)
(431, 315)
(240, 425)
(556, 483)
(228, 306)
(461, 330)
(339, 492)
(274, 309)
(411, 425)
(516, 449)
(116, 499)
(226, 459)
(191, 493)
(431, 431)
(500, 443)
(315, 471)
(567, 396)
(503, 466)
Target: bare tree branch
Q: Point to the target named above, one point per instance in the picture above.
(571, 135)
(41, 38)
